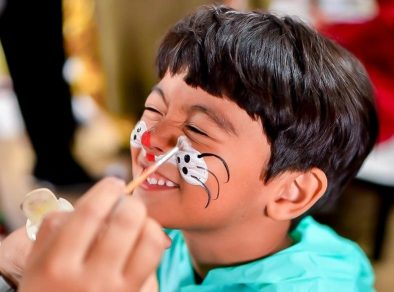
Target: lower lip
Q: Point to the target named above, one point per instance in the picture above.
(146, 186)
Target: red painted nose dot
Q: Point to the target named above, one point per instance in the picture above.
(145, 139)
(150, 157)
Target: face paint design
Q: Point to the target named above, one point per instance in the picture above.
(136, 135)
(193, 168)
(140, 136)
(190, 162)
(145, 141)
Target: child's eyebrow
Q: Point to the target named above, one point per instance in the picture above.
(158, 90)
(220, 120)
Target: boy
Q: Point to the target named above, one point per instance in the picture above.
(272, 121)
(287, 117)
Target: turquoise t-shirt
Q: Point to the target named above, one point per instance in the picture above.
(318, 260)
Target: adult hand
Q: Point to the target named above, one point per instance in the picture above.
(14, 250)
(107, 244)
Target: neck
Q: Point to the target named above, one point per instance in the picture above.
(218, 248)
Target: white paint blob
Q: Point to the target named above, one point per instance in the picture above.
(136, 135)
(192, 168)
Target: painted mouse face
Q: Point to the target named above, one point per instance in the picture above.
(189, 161)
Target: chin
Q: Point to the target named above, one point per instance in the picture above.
(158, 212)
(163, 219)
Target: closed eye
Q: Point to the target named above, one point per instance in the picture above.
(152, 109)
(195, 130)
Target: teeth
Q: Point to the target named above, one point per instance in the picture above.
(160, 182)
(169, 183)
(151, 180)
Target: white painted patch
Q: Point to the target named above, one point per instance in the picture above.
(136, 135)
(190, 166)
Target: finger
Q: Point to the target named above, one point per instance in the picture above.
(88, 218)
(23, 244)
(123, 228)
(105, 185)
(49, 227)
(14, 251)
(145, 257)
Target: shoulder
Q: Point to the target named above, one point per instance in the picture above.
(325, 259)
(319, 260)
(319, 239)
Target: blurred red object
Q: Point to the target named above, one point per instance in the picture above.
(373, 43)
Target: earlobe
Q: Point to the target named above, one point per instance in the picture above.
(300, 191)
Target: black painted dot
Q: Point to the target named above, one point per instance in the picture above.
(178, 159)
(138, 130)
(187, 158)
(184, 170)
(135, 137)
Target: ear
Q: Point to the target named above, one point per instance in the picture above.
(299, 191)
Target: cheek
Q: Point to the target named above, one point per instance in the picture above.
(250, 158)
(245, 169)
(135, 152)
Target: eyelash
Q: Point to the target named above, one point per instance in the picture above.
(188, 127)
(196, 130)
(151, 109)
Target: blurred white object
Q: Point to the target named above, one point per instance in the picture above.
(379, 165)
(84, 108)
(11, 122)
(300, 8)
(348, 10)
(118, 170)
(73, 69)
(39, 203)
(332, 10)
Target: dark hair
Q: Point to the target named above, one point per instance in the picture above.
(314, 98)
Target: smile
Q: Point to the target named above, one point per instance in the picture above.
(160, 182)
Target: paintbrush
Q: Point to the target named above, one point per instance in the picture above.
(148, 171)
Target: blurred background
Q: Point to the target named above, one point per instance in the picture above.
(74, 75)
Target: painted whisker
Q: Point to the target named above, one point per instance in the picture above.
(216, 178)
(220, 158)
(206, 189)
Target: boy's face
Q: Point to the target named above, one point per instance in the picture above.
(215, 126)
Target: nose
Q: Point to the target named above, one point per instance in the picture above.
(145, 141)
(159, 139)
